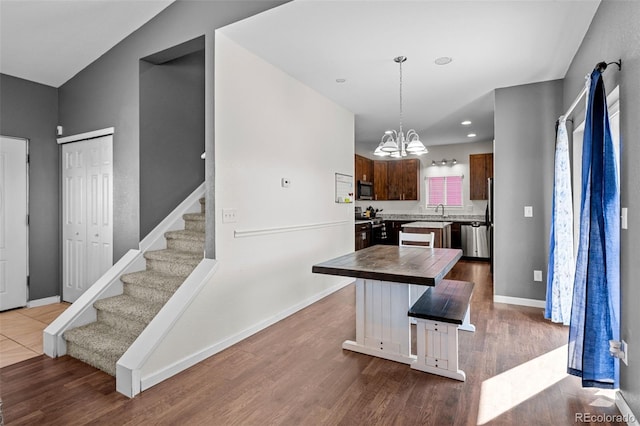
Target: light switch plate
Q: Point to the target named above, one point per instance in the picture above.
(528, 211)
(537, 275)
(229, 215)
(623, 218)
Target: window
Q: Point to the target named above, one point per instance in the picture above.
(446, 190)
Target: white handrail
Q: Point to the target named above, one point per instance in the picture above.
(279, 229)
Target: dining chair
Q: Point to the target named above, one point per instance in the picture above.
(410, 239)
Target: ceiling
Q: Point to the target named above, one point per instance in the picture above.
(493, 44)
(50, 41)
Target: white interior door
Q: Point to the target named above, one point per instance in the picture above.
(13, 223)
(87, 211)
(99, 203)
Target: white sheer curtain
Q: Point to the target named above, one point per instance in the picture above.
(561, 268)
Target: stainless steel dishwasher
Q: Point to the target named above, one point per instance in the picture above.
(475, 240)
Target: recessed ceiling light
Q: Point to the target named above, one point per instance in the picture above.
(340, 80)
(443, 60)
(471, 135)
(466, 122)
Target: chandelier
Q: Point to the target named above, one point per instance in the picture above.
(397, 144)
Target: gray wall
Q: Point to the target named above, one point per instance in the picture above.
(523, 169)
(30, 110)
(615, 33)
(106, 94)
(171, 135)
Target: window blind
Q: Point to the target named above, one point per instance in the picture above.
(446, 190)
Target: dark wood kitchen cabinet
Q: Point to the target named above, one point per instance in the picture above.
(456, 235)
(363, 236)
(403, 178)
(364, 169)
(380, 184)
(480, 169)
(392, 180)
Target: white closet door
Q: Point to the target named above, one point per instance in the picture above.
(87, 230)
(99, 211)
(13, 223)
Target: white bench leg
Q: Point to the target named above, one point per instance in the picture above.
(466, 323)
(437, 351)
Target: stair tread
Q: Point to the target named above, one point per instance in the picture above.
(177, 256)
(129, 307)
(185, 234)
(194, 216)
(100, 338)
(153, 279)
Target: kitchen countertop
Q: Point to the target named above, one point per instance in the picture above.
(425, 217)
(430, 225)
(363, 221)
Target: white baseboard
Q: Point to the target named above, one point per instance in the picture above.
(625, 410)
(520, 301)
(175, 368)
(42, 302)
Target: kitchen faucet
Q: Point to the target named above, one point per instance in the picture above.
(438, 206)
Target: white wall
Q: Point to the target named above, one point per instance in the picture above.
(436, 153)
(268, 126)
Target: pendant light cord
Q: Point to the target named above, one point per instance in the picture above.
(401, 61)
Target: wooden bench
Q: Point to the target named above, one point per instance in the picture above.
(439, 313)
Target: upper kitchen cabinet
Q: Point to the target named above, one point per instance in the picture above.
(364, 169)
(480, 169)
(380, 184)
(403, 178)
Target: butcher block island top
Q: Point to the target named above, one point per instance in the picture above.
(407, 265)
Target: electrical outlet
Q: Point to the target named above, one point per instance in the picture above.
(528, 211)
(229, 215)
(537, 275)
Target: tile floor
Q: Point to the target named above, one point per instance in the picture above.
(21, 331)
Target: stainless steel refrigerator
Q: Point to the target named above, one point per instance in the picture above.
(489, 219)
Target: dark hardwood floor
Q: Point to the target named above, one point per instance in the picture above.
(295, 373)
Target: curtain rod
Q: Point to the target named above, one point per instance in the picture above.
(600, 66)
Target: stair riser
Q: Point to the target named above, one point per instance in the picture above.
(147, 293)
(186, 245)
(124, 325)
(99, 361)
(194, 225)
(172, 268)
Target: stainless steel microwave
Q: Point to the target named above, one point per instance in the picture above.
(365, 190)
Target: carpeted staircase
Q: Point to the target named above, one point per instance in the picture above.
(122, 318)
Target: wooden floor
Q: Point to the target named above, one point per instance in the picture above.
(295, 373)
(21, 331)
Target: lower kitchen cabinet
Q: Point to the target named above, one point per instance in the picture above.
(456, 235)
(362, 236)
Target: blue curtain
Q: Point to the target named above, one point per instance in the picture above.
(595, 313)
(561, 268)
